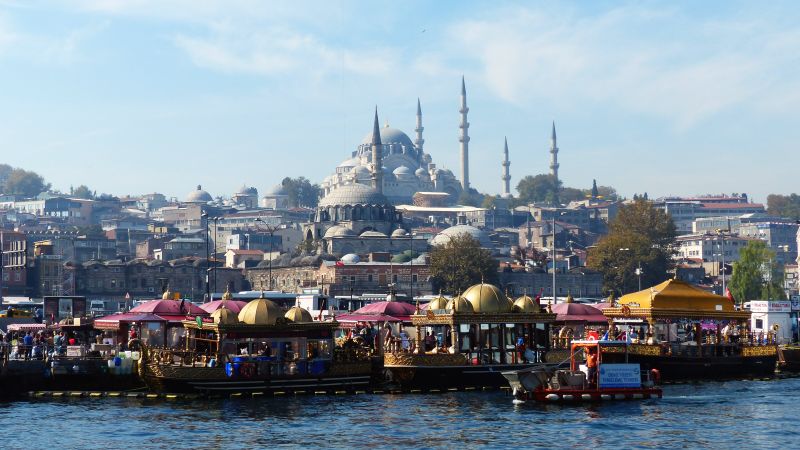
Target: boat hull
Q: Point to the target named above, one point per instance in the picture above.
(213, 380)
(451, 377)
(687, 368)
(789, 359)
(592, 395)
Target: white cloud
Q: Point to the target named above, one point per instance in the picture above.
(651, 62)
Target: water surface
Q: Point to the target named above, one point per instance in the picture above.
(750, 414)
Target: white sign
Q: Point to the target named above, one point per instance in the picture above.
(619, 376)
(795, 303)
(771, 306)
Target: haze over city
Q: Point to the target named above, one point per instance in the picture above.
(672, 98)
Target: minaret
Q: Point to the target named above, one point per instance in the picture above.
(506, 175)
(554, 155)
(377, 158)
(464, 138)
(419, 142)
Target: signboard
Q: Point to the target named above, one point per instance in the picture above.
(795, 303)
(619, 376)
(771, 306)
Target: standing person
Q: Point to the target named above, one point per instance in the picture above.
(591, 364)
(404, 340)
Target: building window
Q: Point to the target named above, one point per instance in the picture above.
(369, 278)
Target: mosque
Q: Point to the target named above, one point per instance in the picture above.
(404, 165)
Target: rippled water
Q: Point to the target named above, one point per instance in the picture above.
(750, 414)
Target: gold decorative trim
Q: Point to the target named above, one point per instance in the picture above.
(413, 360)
(764, 350)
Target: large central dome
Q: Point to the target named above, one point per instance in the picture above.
(354, 194)
(390, 135)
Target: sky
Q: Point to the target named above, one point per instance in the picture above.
(138, 96)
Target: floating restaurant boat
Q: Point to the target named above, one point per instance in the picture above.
(609, 381)
(691, 334)
(472, 339)
(260, 349)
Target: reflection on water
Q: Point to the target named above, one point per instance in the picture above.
(721, 415)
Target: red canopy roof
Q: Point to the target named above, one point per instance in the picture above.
(398, 309)
(171, 307)
(233, 305)
(380, 312)
(576, 312)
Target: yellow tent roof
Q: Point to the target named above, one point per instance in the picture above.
(676, 295)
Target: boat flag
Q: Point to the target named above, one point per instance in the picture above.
(729, 295)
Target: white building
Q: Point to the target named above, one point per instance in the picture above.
(709, 247)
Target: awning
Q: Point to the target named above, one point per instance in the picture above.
(113, 321)
(26, 326)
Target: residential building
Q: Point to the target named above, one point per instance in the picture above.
(709, 247)
(780, 237)
(14, 263)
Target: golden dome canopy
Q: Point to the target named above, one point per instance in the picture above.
(260, 312)
(459, 305)
(487, 298)
(297, 314)
(437, 303)
(224, 316)
(525, 304)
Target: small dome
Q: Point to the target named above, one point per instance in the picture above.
(260, 312)
(334, 231)
(244, 190)
(399, 233)
(459, 305)
(402, 170)
(445, 235)
(525, 304)
(373, 234)
(389, 135)
(353, 194)
(487, 298)
(351, 258)
(361, 169)
(224, 316)
(297, 314)
(421, 172)
(437, 303)
(199, 196)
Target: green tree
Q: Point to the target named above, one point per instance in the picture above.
(460, 263)
(784, 205)
(82, 191)
(538, 188)
(569, 194)
(754, 274)
(470, 197)
(640, 236)
(23, 182)
(488, 201)
(301, 192)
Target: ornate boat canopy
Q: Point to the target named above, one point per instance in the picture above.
(675, 299)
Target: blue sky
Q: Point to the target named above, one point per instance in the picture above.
(671, 98)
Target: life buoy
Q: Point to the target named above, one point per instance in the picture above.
(592, 335)
(655, 375)
(247, 370)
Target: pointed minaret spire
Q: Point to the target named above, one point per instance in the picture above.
(377, 158)
(464, 137)
(595, 191)
(554, 154)
(419, 142)
(506, 174)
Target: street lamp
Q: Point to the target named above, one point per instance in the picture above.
(555, 214)
(208, 258)
(271, 230)
(216, 221)
(639, 274)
